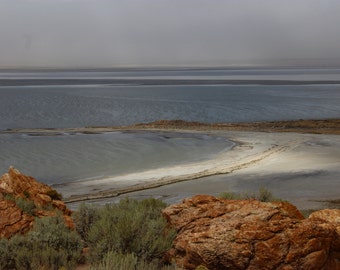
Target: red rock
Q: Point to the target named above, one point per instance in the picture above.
(14, 185)
(13, 220)
(328, 215)
(248, 234)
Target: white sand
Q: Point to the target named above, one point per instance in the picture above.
(302, 168)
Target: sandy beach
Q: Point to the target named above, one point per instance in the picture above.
(301, 168)
(305, 173)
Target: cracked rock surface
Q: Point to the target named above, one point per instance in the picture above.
(15, 186)
(248, 234)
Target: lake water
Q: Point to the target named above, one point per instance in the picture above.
(56, 99)
(59, 159)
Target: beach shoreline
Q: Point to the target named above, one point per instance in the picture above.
(296, 160)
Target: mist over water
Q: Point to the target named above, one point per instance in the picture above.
(87, 33)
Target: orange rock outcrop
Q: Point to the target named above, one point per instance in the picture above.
(15, 185)
(248, 234)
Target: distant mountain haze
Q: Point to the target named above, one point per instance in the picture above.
(103, 33)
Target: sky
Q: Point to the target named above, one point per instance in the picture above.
(114, 33)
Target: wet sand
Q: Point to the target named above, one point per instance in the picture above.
(301, 168)
(307, 175)
(298, 161)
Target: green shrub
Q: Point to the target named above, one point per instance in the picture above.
(55, 195)
(6, 257)
(53, 232)
(9, 197)
(84, 218)
(26, 205)
(128, 235)
(230, 195)
(119, 261)
(131, 227)
(264, 195)
(49, 245)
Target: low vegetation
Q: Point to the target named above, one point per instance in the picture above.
(27, 205)
(263, 195)
(119, 261)
(49, 245)
(128, 228)
(129, 235)
(55, 195)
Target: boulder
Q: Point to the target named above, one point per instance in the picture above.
(328, 215)
(45, 201)
(248, 234)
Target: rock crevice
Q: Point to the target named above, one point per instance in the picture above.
(248, 234)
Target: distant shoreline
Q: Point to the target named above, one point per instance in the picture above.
(282, 64)
(150, 82)
(323, 126)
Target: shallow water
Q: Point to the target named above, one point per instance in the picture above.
(67, 158)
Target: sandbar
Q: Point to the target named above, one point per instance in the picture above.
(302, 168)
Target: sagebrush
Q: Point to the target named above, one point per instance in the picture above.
(49, 245)
(131, 227)
(263, 195)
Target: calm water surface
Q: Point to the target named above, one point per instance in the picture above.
(31, 102)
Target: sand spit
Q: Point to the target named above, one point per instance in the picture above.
(297, 160)
(325, 126)
(301, 168)
(242, 156)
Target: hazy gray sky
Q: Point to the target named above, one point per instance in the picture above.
(166, 32)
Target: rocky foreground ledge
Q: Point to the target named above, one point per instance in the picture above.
(22, 199)
(212, 233)
(247, 234)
